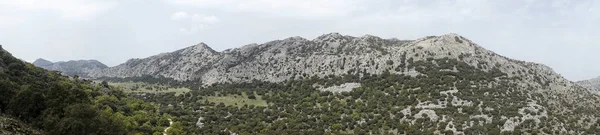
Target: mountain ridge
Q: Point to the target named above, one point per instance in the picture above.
(72, 67)
(591, 84)
(331, 44)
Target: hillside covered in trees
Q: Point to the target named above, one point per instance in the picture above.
(37, 101)
(330, 85)
(451, 97)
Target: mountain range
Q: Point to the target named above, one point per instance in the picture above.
(329, 54)
(297, 57)
(486, 87)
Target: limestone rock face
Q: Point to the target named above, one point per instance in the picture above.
(75, 67)
(185, 64)
(328, 54)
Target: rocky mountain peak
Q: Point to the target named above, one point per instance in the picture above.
(454, 38)
(200, 47)
(243, 48)
(446, 39)
(290, 42)
(332, 41)
(294, 39)
(449, 44)
(42, 62)
(369, 38)
(329, 36)
(95, 61)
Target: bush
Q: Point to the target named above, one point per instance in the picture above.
(251, 96)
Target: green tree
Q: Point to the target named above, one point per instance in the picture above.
(27, 105)
(81, 119)
(7, 91)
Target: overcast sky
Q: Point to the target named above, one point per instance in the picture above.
(563, 34)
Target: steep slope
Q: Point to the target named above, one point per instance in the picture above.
(33, 98)
(591, 84)
(202, 63)
(185, 64)
(460, 86)
(80, 67)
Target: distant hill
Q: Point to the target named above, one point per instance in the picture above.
(591, 84)
(79, 67)
(42, 62)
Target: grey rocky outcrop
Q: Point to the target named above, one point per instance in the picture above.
(328, 54)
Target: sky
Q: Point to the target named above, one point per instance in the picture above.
(563, 34)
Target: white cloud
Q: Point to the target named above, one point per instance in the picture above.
(209, 19)
(194, 22)
(420, 13)
(7, 21)
(292, 8)
(196, 18)
(68, 9)
(179, 16)
(193, 28)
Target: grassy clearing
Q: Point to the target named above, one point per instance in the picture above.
(237, 100)
(131, 87)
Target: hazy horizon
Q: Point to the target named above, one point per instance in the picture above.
(557, 33)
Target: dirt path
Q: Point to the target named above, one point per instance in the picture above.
(170, 123)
